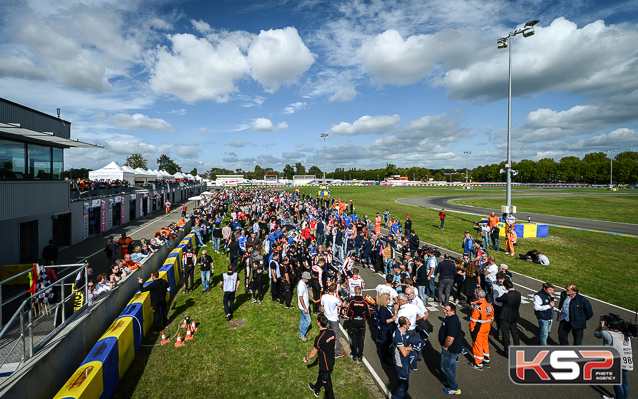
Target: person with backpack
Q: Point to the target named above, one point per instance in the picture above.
(431, 271)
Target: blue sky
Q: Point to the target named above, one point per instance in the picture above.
(240, 83)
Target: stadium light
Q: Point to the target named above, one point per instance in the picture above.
(324, 135)
(611, 169)
(468, 152)
(506, 42)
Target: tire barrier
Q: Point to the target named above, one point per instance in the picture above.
(112, 355)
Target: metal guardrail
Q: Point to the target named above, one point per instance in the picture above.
(33, 324)
(107, 191)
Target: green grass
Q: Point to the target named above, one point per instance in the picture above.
(602, 265)
(610, 208)
(260, 360)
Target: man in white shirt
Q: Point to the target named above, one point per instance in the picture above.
(490, 277)
(412, 313)
(303, 302)
(386, 289)
(414, 299)
(497, 291)
(229, 284)
(355, 281)
(330, 305)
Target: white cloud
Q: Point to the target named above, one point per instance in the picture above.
(266, 125)
(196, 69)
(367, 124)
(139, 121)
(294, 107)
(278, 56)
(203, 130)
(237, 143)
(188, 151)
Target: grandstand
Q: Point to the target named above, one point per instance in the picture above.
(298, 180)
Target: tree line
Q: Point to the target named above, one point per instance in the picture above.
(593, 168)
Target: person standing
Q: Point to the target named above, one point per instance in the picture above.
(494, 234)
(50, 253)
(386, 217)
(168, 206)
(386, 324)
(622, 343)
(511, 238)
(303, 303)
(544, 310)
(285, 271)
(205, 263)
(408, 227)
(330, 305)
(123, 244)
(273, 267)
(480, 325)
(256, 261)
(510, 314)
(188, 263)
(358, 312)
(575, 310)
(184, 210)
(442, 216)
(229, 284)
(158, 289)
(325, 347)
(402, 349)
(110, 250)
(447, 271)
(451, 340)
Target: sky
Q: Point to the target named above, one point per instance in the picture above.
(238, 83)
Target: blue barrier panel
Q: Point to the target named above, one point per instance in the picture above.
(105, 351)
(519, 229)
(136, 310)
(542, 231)
(170, 274)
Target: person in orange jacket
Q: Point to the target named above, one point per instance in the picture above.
(123, 243)
(377, 224)
(493, 220)
(480, 325)
(127, 262)
(168, 206)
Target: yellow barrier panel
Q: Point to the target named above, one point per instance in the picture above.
(85, 383)
(9, 271)
(145, 299)
(530, 230)
(122, 329)
(502, 229)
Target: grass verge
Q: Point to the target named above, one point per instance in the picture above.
(602, 265)
(610, 208)
(260, 360)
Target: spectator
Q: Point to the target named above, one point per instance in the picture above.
(137, 255)
(575, 310)
(451, 340)
(50, 253)
(544, 309)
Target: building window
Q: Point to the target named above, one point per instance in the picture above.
(12, 160)
(39, 158)
(58, 163)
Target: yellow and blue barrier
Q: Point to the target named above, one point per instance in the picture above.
(114, 352)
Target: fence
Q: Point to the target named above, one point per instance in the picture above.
(33, 322)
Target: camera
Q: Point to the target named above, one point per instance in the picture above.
(613, 320)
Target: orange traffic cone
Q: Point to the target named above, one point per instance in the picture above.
(185, 323)
(193, 326)
(189, 334)
(179, 341)
(164, 339)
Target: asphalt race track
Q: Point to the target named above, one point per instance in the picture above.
(563, 221)
(493, 383)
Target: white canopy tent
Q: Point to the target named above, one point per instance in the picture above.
(165, 174)
(144, 176)
(113, 172)
(179, 175)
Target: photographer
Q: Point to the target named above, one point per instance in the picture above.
(613, 336)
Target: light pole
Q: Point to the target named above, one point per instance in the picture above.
(324, 135)
(611, 169)
(505, 42)
(468, 152)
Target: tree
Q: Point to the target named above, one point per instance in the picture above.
(300, 169)
(390, 170)
(194, 172)
(288, 171)
(314, 170)
(136, 160)
(164, 162)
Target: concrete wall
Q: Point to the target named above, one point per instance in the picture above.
(53, 365)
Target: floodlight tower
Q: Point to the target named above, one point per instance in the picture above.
(505, 42)
(324, 135)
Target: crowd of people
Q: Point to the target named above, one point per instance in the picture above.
(286, 241)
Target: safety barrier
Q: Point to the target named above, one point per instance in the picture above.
(114, 352)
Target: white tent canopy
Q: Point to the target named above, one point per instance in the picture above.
(180, 175)
(113, 172)
(165, 174)
(143, 176)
